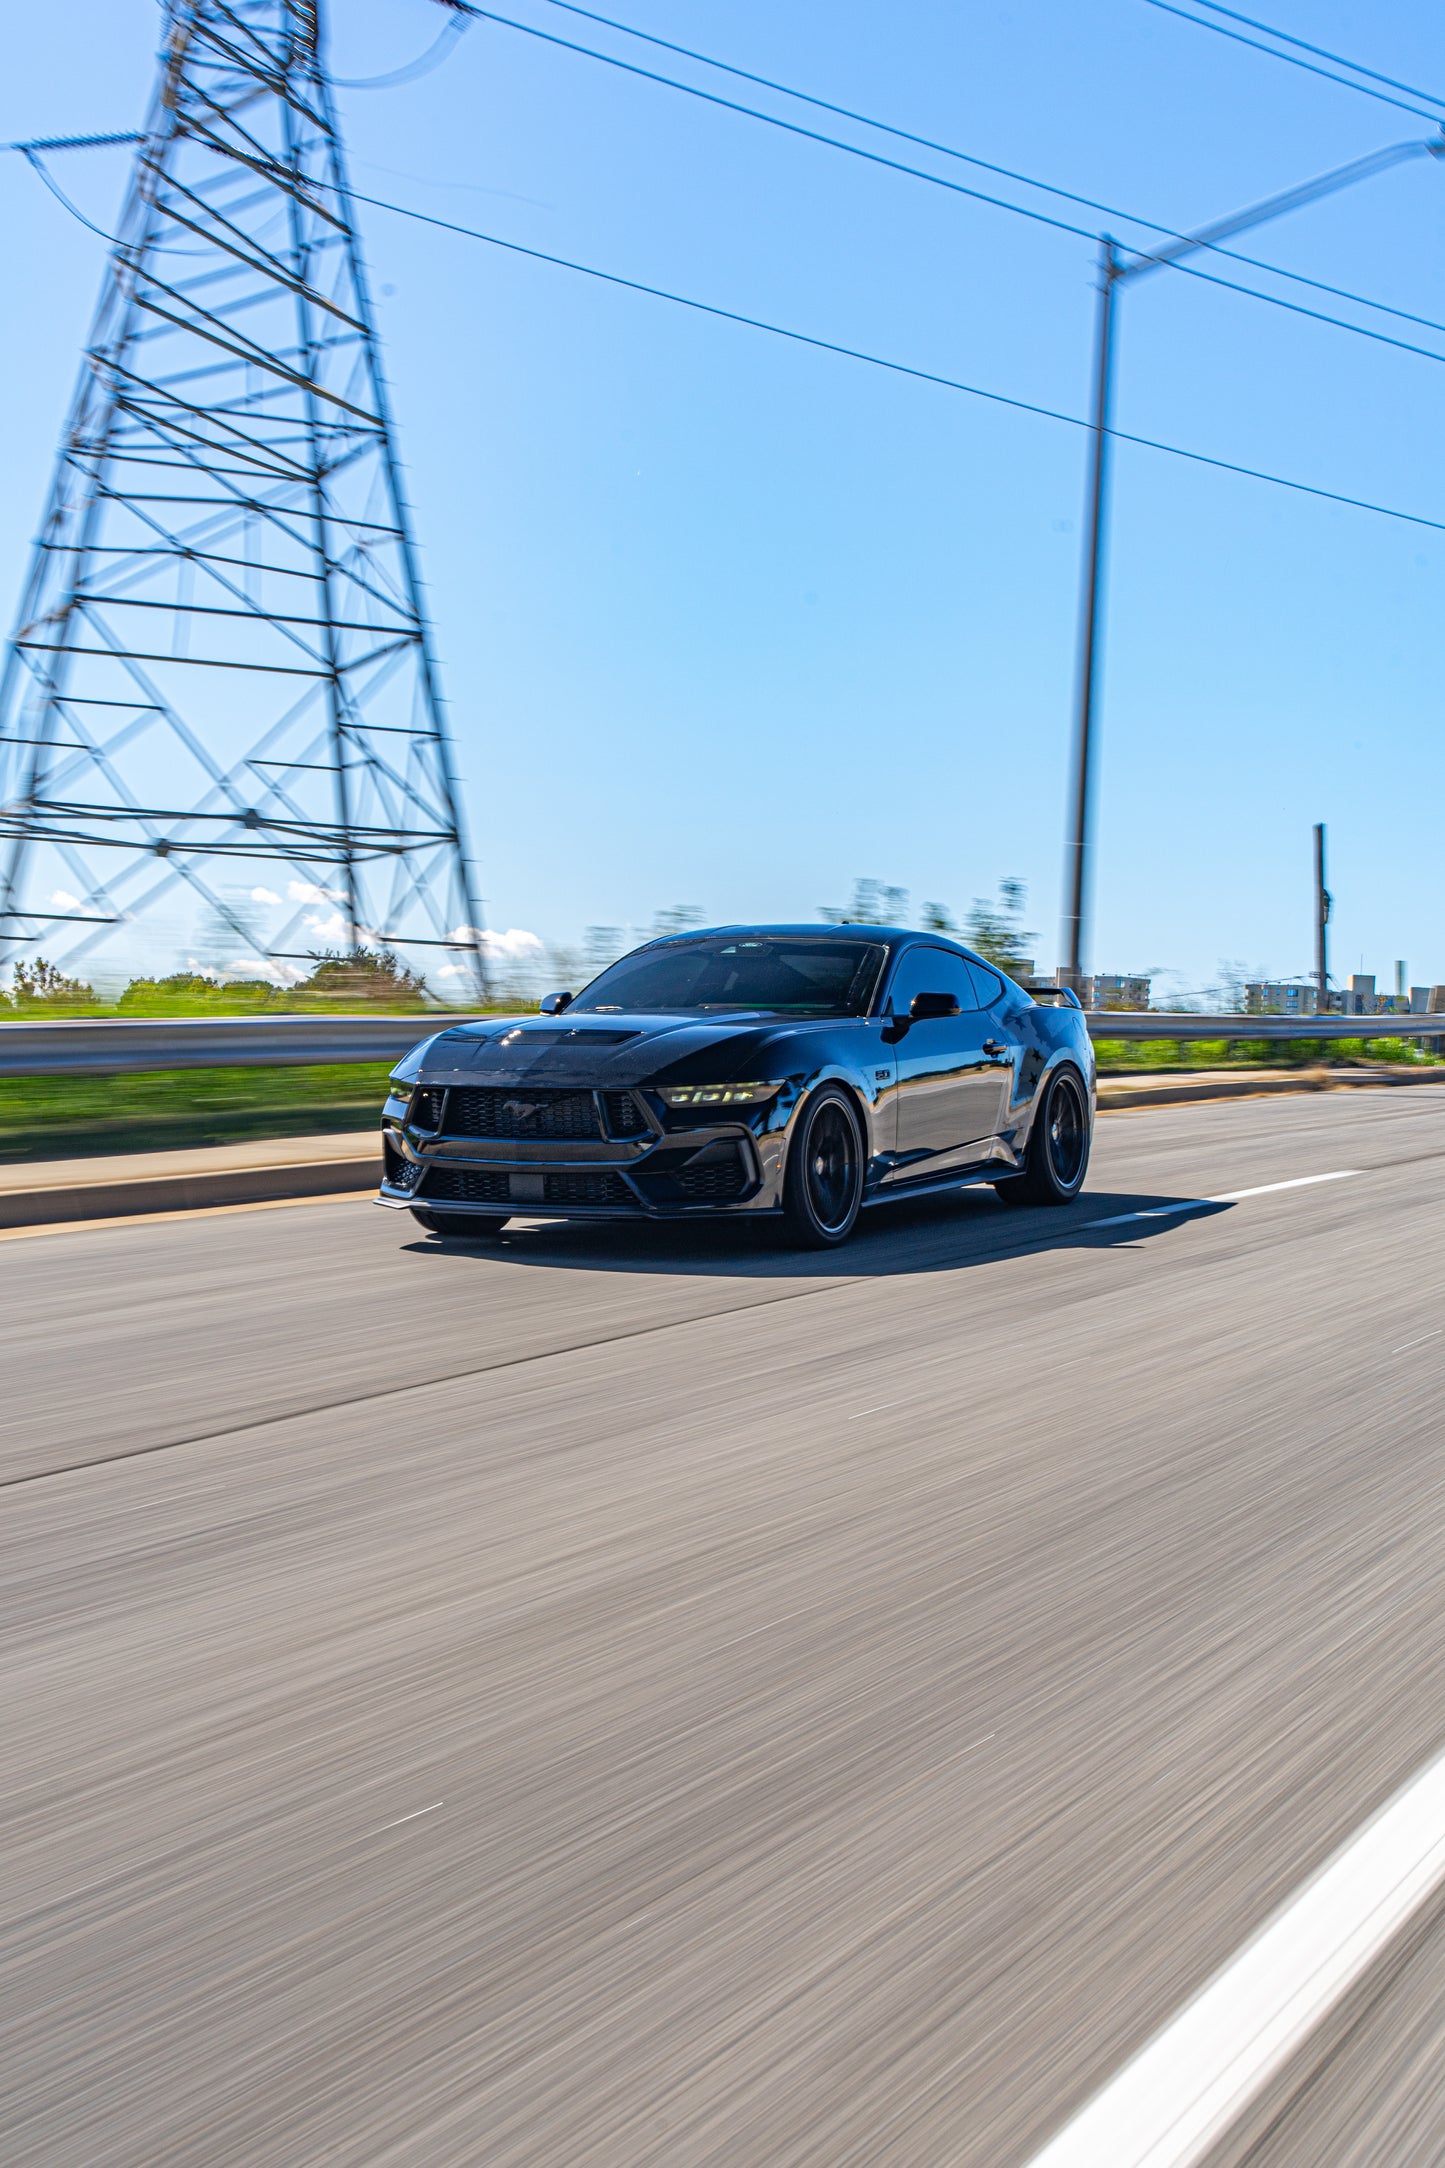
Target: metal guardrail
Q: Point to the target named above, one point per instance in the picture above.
(1179, 1024)
(109, 1046)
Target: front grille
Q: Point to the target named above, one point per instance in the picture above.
(520, 1115)
(623, 1115)
(425, 1111)
(715, 1181)
(474, 1185)
(466, 1185)
(398, 1173)
(587, 1189)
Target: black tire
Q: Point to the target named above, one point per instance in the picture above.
(461, 1226)
(1057, 1158)
(823, 1186)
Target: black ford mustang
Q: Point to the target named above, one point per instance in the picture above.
(802, 1071)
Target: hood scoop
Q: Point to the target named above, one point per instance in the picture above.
(527, 1036)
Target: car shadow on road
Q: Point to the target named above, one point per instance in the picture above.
(917, 1234)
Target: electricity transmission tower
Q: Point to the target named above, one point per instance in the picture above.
(220, 704)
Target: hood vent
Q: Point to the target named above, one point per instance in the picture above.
(531, 1035)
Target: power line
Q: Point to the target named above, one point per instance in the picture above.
(1320, 51)
(895, 368)
(1292, 59)
(936, 180)
(790, 127)
(433, 57)
(464, 10)
(983, 165)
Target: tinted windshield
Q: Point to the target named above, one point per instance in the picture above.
(792, 975)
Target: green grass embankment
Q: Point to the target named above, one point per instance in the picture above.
(78, 1117)
(1122, 1057)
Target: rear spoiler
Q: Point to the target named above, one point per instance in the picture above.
(1062, 997)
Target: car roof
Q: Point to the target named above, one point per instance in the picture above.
(829, 930)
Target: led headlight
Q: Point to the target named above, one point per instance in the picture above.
(716, 1095)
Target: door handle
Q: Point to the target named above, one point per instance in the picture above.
(995, 1049)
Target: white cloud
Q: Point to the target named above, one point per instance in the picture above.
(308, 892)
(508, 946)
(264, 895)
(64, 901)
(329, 929)
(252, 967)
(201, 971)
(454, 971)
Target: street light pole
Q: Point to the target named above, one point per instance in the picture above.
(1090, 613)
(1115, 272)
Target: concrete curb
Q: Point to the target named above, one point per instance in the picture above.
(1117, 1094)
(111, 1195)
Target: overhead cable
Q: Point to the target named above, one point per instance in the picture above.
(1257, 44)
(983, 165)
(895, 368)
(37, 166)
(1321, 52)
(433, 57)
(936, 180)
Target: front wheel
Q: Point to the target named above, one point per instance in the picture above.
(823, 1188)
(1057, 1158)
(465, 1226)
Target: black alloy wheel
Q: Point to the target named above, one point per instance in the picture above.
(823, 1188)
(1057, 1158)
(461, 1226)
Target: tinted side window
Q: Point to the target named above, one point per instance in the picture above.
(931, 971)
(988, 986)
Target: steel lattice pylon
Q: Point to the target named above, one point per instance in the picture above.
(222, 668)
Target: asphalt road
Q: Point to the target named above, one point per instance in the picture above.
(634, 1697)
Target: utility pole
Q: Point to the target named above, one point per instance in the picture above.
(1322, 915)
(1115, 272)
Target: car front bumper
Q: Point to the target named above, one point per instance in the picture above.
(720, 1167)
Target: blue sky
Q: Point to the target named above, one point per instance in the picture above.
(726, 622)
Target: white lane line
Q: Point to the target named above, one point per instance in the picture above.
(1405, 1349)
(415, 1816)
(1228, 1196)
(1178, 2096)
(874, 1411)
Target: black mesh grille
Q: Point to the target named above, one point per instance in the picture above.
(466, 1185)
(714, 1181)
(587, 1189)
(397, 1172)
(520, 1114)
(426, 1108)
(624, 1115)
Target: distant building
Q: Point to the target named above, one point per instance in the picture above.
(1114, 990)
(1281, 997)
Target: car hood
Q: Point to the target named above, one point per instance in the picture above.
(615, 1051)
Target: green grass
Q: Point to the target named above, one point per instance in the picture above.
(1125, 1056)
(80, 1116)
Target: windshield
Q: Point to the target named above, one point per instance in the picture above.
(789, 974)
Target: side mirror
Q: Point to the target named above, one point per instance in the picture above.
(924, 1005)
(554, 1004)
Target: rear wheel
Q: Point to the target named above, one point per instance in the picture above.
(823, 1188)
(1057, 1158)
(464, 1226)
